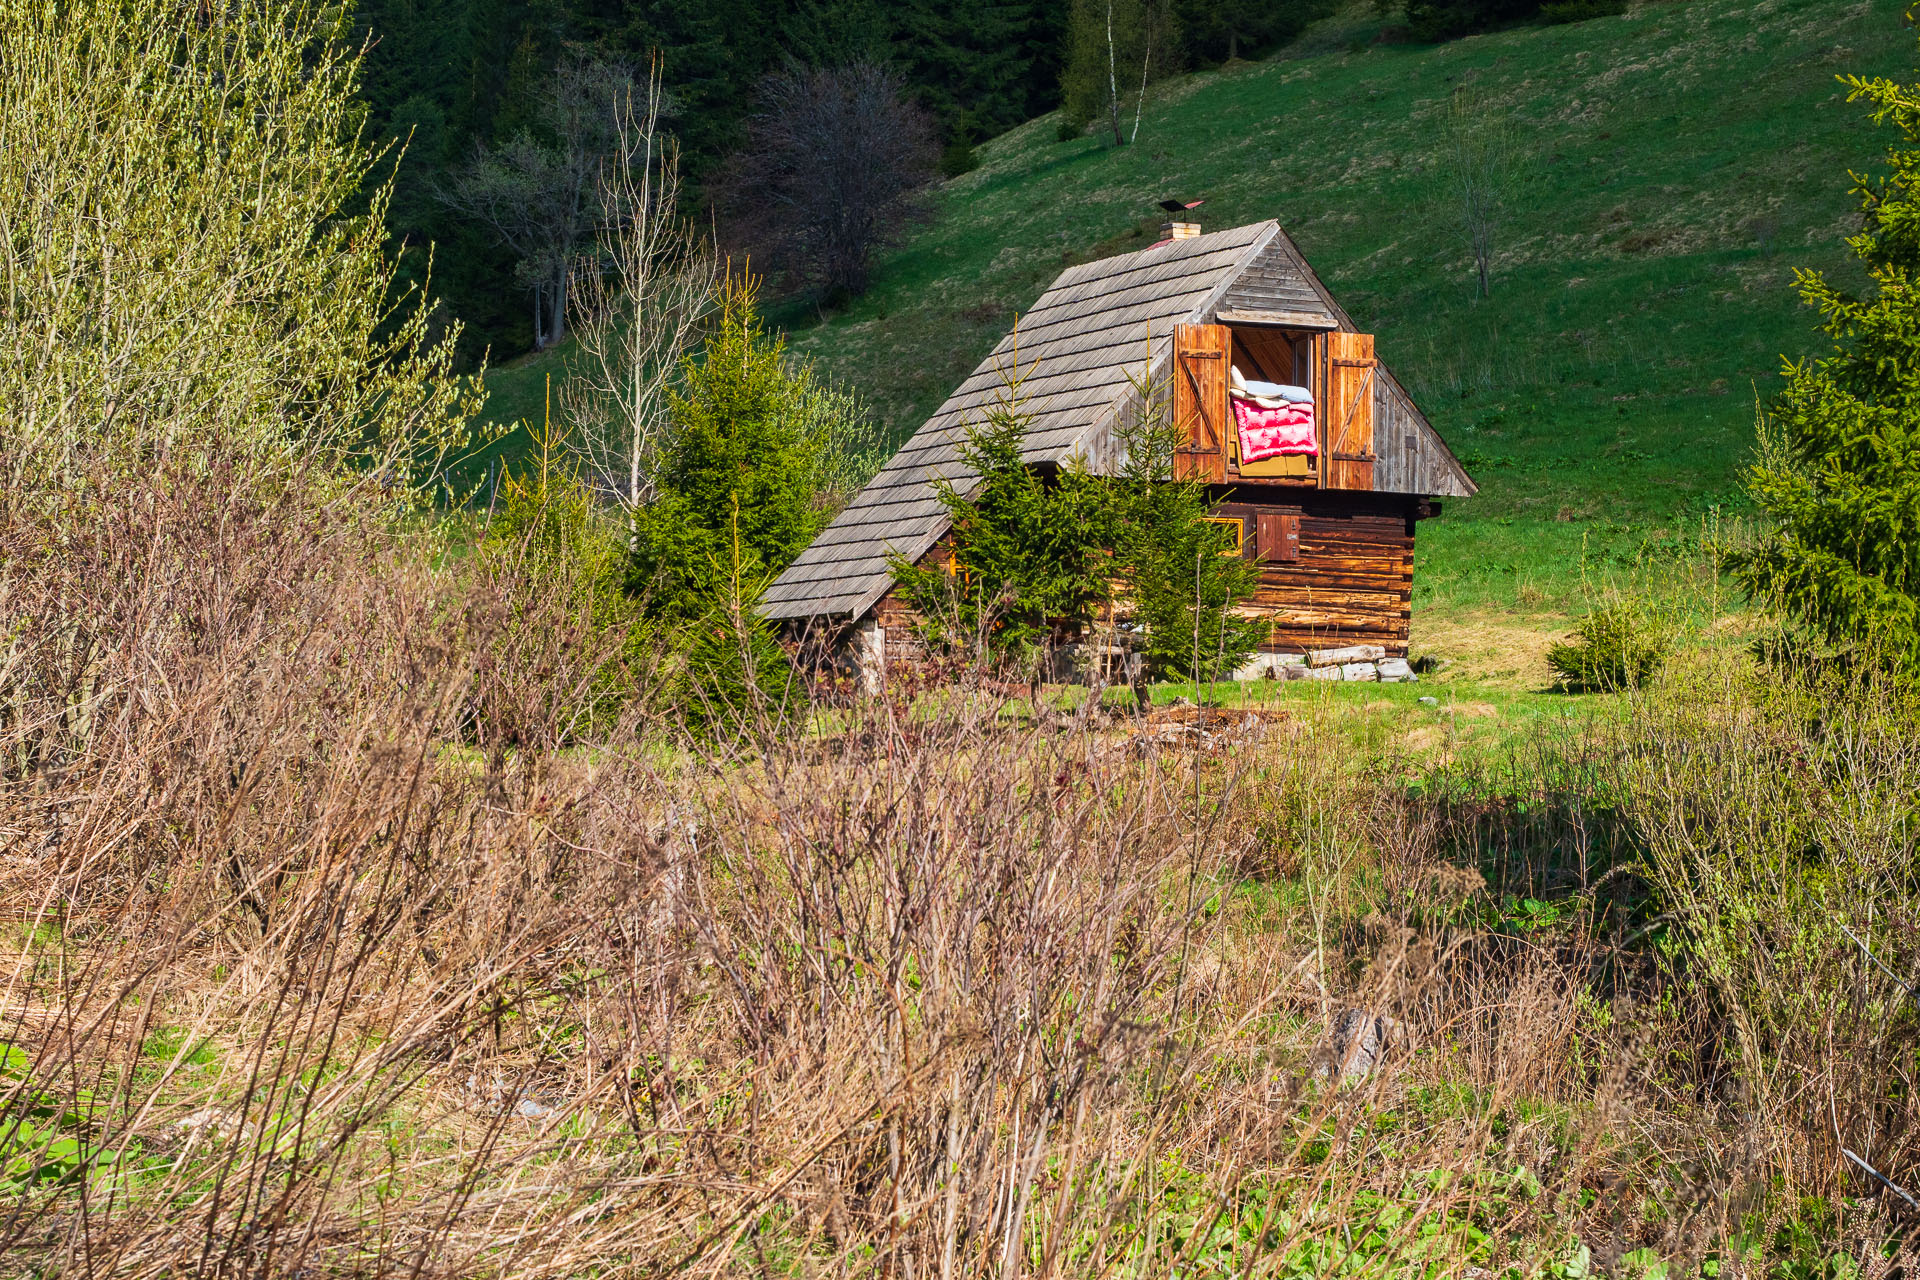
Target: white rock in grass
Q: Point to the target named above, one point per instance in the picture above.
(1396, 670)
(1357, 1044)
(1359, 671)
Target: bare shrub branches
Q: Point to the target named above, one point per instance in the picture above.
(835, 163)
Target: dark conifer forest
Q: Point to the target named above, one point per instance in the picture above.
(454, 76)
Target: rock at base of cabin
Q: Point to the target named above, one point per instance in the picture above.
(1341, 657)
(1397, 671)
(1358, 671)
(1309, 673)
(1269, 666)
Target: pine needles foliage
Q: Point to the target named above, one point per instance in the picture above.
(1030, 550)
(760, 452)
(1838, 467)
(739, 468)
(1182, 574)
(1619, 645)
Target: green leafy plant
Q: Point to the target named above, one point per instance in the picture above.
(44, 1138)
(1618, 645)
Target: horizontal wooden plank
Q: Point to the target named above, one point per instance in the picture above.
(1289, 587)
(1383, 603)
(1279, 319)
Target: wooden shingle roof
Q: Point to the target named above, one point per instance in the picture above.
(1099, 331)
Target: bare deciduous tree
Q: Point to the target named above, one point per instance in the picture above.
(539, 191)
(638, 300)
(1485, 160)
(836, 161)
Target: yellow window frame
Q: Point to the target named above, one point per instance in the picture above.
(1239, 532)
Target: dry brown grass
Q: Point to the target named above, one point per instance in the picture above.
(1497, 650)
(328, 925)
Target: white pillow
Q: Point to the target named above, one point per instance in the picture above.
(1269, 390)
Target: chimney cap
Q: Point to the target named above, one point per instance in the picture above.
(1181, 206)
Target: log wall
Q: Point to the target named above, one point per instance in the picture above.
(1353, 580)
(1351, 583)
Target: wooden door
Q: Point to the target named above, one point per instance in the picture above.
(1278, 535)
(1200, 402)
(1349, 409)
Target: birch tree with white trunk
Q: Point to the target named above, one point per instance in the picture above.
(638, 301)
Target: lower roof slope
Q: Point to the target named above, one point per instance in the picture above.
(1096, 328)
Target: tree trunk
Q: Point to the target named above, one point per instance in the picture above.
(557, 329)
(539, 319)
(1113, 83)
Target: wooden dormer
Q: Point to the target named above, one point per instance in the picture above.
(1339, 368)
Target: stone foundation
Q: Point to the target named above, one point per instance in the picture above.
(1353, 662)
(873, 649)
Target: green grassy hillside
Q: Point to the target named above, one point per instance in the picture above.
(1680, 162)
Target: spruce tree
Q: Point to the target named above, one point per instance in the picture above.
(1839, 464)
(736, 487)
(1030, 550)
(1181, 573)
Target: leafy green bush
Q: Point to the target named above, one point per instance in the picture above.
(1619, 645)
(1777, 817)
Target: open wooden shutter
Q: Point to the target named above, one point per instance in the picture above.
(1200, 401)
(1349, 408)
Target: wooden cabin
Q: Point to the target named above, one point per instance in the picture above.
(1205, 318)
